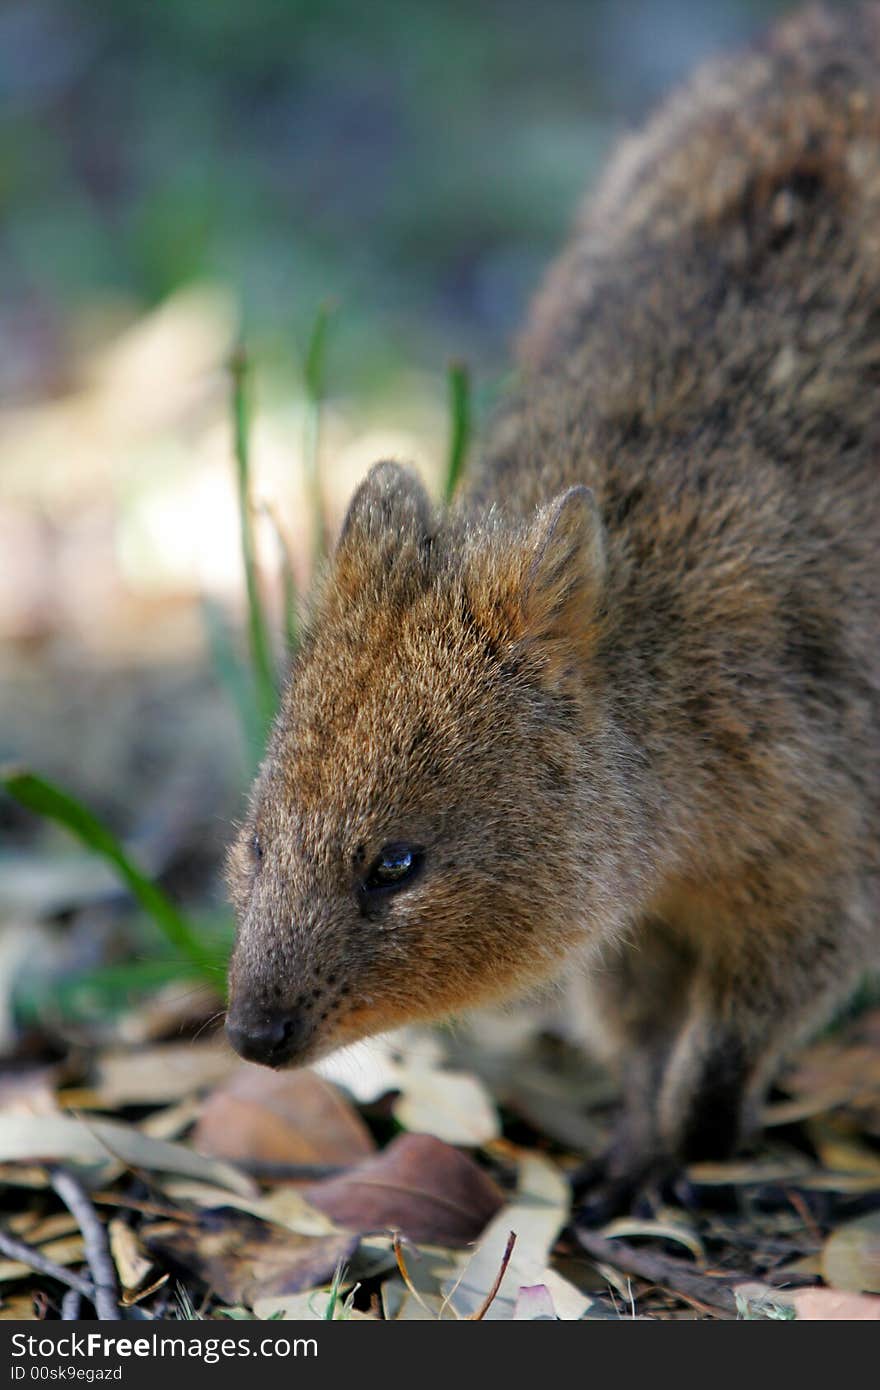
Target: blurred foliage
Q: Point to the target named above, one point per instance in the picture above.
(417, 161)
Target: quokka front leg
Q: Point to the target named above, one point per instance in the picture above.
(697, 1033)
(638, 997)
(753, 997)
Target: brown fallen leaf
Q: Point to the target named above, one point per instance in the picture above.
(827, 1305)
(30, 1226)
(851, 1255)
(243, 1259)
(19, 1308)
(838, 1071)
(132, 1263)
(263, 1119)
(419, 1186)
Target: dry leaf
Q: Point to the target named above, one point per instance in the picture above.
(534, 1304)
(536, 1216)
(172, 1121)
(242, 1259)
(132, 1264)
(285, 1206)
(281, 1118)
(450, 1105)
(36, 1229)
(18, 1308)
(626, 1227)
(835, 1069)
(851, 1255)
(827, 1305)
(153, 1075)
(60, 1138)
(419, 1186)
(841, 1150)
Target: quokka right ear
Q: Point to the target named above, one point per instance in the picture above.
(391, 506)
(564, 576)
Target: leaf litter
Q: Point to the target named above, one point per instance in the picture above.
(397, 1183)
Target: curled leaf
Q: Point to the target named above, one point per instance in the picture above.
(419, 1186)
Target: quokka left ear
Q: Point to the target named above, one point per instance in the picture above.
(387, 532)
(565, 574)
(391, 505)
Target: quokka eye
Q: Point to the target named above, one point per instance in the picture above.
(257, 848)
(395, 867)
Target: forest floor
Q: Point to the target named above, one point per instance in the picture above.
(422, 1177)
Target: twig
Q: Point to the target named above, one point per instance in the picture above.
(26, 1255)
(130, 1299)
(171, 1213)
(668, 1273)
(797, 1201)
(70, 1306)
(404, 1272)
(79, 1204)
(490, 1296)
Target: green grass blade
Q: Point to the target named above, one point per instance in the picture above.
(50, 801)
(314, 380)
(261, 652)
(460, 425)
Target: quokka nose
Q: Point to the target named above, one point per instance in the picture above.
(268, 1038)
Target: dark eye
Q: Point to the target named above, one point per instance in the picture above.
(257, 848)
(395, 867)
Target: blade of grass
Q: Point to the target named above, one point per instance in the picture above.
(460, 425)
(314, 375)
(261, 653)
(50, 801)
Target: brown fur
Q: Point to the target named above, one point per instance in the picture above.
(627, 694)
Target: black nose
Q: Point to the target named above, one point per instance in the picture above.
(258, 1035)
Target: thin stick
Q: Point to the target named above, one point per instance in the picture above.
(79, 1204)
(668, 1273)
(112, 1199)
(26, 1255)
(404, 1273)
(70, 1306)
(797, 1201)
(490, 1296)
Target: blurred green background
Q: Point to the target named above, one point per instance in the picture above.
(418, 160)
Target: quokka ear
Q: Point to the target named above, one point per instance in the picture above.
(389, 509)
(564, 576)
